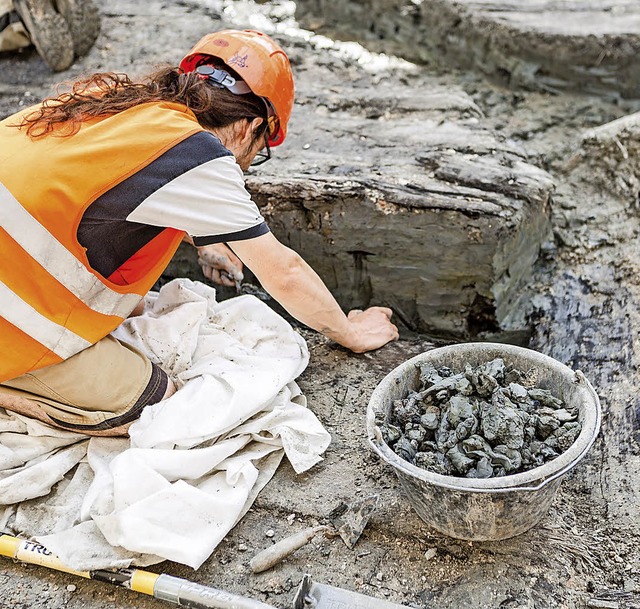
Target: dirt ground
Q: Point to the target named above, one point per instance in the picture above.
(585, 551)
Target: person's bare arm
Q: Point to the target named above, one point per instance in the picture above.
(295, 285)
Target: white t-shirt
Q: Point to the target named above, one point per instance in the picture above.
(196, 186)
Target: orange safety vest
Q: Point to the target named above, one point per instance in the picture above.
(52, 303)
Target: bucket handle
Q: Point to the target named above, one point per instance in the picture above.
(579, 378)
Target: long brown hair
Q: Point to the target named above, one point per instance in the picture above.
(108, 93)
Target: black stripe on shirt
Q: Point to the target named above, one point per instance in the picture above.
(247, 233)
(104, 230)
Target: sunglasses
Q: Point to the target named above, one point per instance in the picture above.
(265, 154)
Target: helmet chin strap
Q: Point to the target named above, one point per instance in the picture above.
(222, 79)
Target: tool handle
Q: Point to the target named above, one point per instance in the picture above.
(276, 553)
(164, 587)
(189, 594)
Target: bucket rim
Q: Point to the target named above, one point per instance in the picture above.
(530, 480)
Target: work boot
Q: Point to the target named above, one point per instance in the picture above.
(48, 32)
(83, 20)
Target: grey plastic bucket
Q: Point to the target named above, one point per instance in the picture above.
(492, 508)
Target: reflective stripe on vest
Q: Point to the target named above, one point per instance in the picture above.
(59, 262)
(56, 338)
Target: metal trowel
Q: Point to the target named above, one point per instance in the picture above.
(312, 595)
(347, 522)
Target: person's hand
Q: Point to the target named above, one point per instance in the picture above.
(371, 329)
(220, 265)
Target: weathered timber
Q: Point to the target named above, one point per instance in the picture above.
(585, 45)
(422, 210)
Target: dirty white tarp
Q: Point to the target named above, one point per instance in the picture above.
(194, 462)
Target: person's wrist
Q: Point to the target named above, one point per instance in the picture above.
(349, 338)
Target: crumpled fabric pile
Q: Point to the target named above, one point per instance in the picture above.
(193, 463)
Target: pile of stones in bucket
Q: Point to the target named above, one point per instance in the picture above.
(485, 422)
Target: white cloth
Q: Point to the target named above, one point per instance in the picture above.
(193, 464)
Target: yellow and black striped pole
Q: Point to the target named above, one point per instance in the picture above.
(164, 587)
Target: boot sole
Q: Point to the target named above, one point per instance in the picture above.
(48, 32)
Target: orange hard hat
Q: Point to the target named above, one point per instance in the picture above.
(260, 62)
